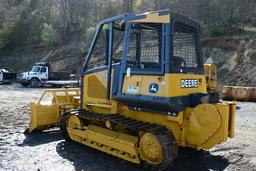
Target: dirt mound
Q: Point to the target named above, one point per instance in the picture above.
(236, 65)
(221, 43)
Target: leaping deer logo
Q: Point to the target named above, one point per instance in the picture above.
(153, 88)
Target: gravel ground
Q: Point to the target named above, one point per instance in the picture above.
(48, 150)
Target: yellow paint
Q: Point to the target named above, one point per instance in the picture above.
(239, 93)
(111, 142)
(178, 118)
(232, 112)
(95, 88)
(153, 17)
(169, 84)
(48, 109)
(150, 149)
(204, 122)
(211, 76)
(200, 127)
(221, 133)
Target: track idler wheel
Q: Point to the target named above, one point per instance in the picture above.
(74, 122)
(69, 122)
(150, 149)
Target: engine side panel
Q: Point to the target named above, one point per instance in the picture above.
(169, 85)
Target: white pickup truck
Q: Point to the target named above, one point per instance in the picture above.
(7, 76)
(41, 75)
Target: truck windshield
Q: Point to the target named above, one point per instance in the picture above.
(36, 69)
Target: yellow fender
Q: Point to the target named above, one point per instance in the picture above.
(210, 124)
(204, 122)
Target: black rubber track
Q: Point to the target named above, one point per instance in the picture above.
(164, 135)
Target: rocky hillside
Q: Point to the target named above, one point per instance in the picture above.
(235, 58)
(63, 58)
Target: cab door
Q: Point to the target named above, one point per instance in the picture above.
(102, 67)
(143, 61)
(95, 74)
(43, 73)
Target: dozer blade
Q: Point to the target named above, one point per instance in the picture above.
(47, 111)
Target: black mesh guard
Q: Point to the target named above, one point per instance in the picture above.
(184, 46)
(118, 39)
(144, 49)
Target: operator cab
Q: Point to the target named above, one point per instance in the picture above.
(152, 59)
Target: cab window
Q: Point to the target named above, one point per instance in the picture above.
(99, 53)
(43, 69)
(184, 38)
(35, 69)
(144, 48)
(118, 41)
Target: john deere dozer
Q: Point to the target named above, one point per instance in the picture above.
(141, 95)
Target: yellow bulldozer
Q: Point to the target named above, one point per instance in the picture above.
(143, 82)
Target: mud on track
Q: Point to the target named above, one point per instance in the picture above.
(48, 150)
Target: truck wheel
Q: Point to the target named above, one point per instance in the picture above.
(24, 84)
(34, 82)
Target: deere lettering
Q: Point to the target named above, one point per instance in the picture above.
(189, 83)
